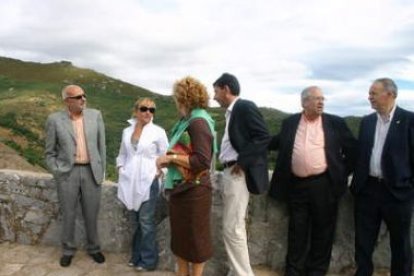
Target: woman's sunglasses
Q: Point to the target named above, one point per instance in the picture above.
(146, 108)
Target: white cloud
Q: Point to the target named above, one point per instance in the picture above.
(275, 48)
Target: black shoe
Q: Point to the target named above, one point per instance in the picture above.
(65, 260)
(98, 257)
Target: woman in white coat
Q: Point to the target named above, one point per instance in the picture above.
(138, 186)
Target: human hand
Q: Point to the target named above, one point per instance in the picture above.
(159, 173)
(236, 170)
(162, 161)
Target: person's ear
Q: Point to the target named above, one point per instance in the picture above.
(227, 89)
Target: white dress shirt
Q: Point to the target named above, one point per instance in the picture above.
(227, 152)
(381, 131)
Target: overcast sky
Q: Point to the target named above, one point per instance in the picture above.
(274, 47)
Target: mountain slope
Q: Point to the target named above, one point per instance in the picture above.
(30, 91)
(10, 159)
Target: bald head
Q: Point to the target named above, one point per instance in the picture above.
(71, 90)
(74, 98)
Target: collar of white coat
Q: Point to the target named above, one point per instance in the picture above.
(133, 121)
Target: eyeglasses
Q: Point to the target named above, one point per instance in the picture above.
(78, 97)
(146, 108)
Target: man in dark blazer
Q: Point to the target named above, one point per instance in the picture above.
(243, 154)
(316, 151)
(76, 156)
(383, 182)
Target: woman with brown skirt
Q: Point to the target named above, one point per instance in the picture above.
(191, 150)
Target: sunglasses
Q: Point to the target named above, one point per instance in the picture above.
(78, 97)
(145, 109)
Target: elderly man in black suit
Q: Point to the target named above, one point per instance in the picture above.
(243, 154)
(383, 182)
(316, 151)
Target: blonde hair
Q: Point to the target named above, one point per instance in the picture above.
(190, 93)
(140, 102)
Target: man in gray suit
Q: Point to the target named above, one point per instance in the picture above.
(76, 155)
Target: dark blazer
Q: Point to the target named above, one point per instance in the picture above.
(249, 137)
(397, 161)
(340, 149)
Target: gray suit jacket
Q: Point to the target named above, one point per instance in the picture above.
(60, 147)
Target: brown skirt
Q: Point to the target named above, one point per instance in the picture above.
(190, 210)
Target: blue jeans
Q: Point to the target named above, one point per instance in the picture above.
(144, 245)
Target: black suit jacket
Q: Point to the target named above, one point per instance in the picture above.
(340, 149)
(397, 161)
(249, 137)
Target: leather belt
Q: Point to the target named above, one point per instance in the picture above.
(310, 178)
(82, 164)
(229, 164)
(374, 179)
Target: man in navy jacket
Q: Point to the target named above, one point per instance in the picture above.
(383, 182)
(243, 154)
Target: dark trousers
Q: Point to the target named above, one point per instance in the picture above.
(313, 212)
(372, 205)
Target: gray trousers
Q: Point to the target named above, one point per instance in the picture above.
(79, 186)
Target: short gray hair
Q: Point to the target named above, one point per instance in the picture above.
(389, 85)
(306, 92)
(68, 87)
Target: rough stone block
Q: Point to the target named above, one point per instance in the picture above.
(29, 214)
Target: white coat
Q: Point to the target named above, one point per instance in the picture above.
(137, 168)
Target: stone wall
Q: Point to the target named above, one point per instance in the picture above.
(29, 214)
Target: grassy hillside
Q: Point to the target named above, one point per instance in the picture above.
(30, 91)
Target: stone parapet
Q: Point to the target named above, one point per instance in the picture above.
(29, 214)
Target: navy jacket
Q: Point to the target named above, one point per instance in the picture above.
(397, 161)
(249, 137)
(340, 149)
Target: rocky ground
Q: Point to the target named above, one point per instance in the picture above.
(25, 260)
